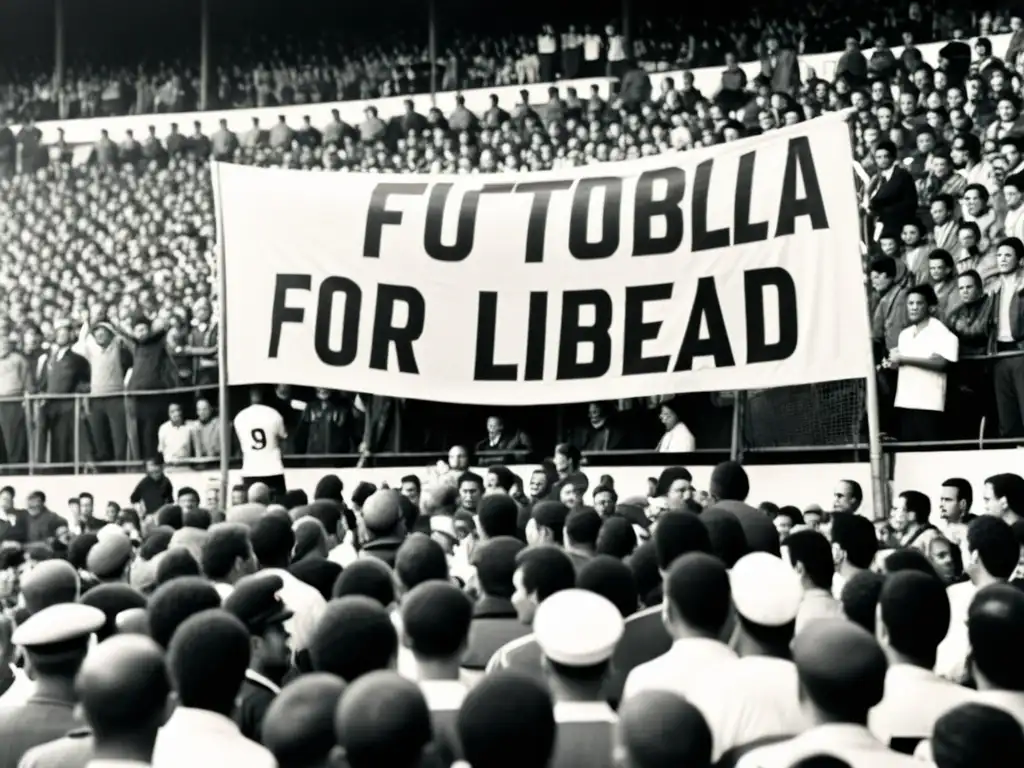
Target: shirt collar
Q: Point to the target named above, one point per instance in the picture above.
(837, 736)
(583, 712)
(203, 721)
(266, 682)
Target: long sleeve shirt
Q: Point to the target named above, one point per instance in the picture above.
(15, 375)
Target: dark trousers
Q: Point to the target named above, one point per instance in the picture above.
(57, 427)
(108, 428)
(150, 413)
(13, 434)
(917, 426)
(1008, 379)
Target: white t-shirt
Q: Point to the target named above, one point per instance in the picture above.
(918, 388)
(260, 431)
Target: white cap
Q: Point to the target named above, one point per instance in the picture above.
(765, 589)
(577, 627)
(57, 624)
(110, 529)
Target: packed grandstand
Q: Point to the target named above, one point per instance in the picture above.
(110, 218)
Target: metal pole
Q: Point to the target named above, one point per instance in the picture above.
(627, 28)
(204, 54)
(222, 347)
(77, 466)
(58, 45)
(739, 403)
(432, 48)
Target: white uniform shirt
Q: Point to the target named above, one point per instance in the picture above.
(852, 743)
(692, 664)
(918, 388)
(200, 739)
(260, 431)
(762, 701)
(21, 690)
(914, 699)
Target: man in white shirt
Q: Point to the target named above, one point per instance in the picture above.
(695, 612)
(913, 618)
(260, 430)
(207, 660)
(924, 352)
(174, 438)
(841, 670)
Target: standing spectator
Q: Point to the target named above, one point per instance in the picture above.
(781, 67)
(108, 361)
(15, 383)
(154, 489)
(925, 350)
(205, 431)
(852, 66)
(152, 371)
(61, 372)
(43, 523)
(174, 438)
(224, 142)
(327, 426)
(891, 196)
(1008, 372)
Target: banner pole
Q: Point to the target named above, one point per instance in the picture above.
(879, 486)
(222, 347)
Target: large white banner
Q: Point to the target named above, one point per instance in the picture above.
(733, 267)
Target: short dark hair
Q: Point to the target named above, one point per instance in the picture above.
(916, 613)
(860, 598)
(207, 659)
(611, 578)
(582, 526)
(420, 559)
(175, 563)
(1009, 486)
(616, 538)
(226, 543)
(918, 505)
(272, 540)
(435, 619)
(470, 477)
(173, 602)
(353, 636)
(964, 492)
(856, 492)
(368, 577)
(812, 550)
(678, 533)
(697, 587)
(997, 547)
(855, 535)
(995, 628)
(412, 480)
(546, 570)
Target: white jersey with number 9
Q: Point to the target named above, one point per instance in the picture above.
(260, 431)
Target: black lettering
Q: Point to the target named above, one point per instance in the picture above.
(385, 333)
(703, 239)
(484, 367)
(281, 312)
(579, 246)
(637, 331)
(706, 309)
(754, 283)
(346, 353)
(465, 231)
(541, 191)
(536, 336)
(378, 215)
(572, 335)
(647, 208)
(800, 159)
(744, 230)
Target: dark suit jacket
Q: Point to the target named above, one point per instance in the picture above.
(893, 202)
(785, 75)
(64, 376)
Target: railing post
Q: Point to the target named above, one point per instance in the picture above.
(77, 434)
(739, 402)
(30, 432)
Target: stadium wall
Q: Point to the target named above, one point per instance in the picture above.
(799, 484)
(706, 79)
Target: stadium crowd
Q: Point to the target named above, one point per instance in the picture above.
(119, 252)
(464, 622)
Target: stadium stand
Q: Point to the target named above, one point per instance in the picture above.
(121, 230)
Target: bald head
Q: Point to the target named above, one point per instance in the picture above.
(123, 687)
(133, 621)
(658, 729)
(259, 493)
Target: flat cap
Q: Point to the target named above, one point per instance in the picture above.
(765, 590)
(247, 514)
(577, 627)
(110, 555)
(49, 583)
(256, 600)
(52, 628)
(382, 511)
